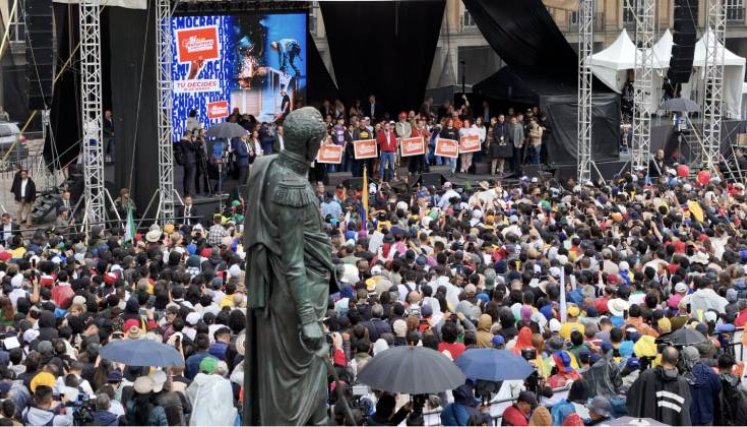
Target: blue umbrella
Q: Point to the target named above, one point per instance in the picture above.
(490, 364)
(142, 352)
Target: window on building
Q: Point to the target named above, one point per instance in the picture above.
(629, 7)
(734, 10)
(573, 19)
(467, 21)
(17, 24)
(312, 17)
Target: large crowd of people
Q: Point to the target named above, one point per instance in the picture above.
(589, 282)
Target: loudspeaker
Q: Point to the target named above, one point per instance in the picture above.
(683, 36)
(39, 53)
(428, 179)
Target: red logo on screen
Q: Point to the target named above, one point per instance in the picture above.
(217, 110)
(197, 44)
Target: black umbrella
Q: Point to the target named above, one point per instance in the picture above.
(411, 370)
(142, 352)
(632, 421)
(226, 130)
(682, 337)
(680, 104)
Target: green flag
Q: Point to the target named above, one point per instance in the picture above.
(129, 227)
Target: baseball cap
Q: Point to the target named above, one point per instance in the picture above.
(42, 378)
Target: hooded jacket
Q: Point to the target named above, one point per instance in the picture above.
(105, 418)
(211, 397)
(660, 395)
(484, 337)
(34, 416)
(705, 387)
(733, 405)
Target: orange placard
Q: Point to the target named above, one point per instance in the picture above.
(469, 144)
(412, 146)
(217, 110)
(197, 44)
(330, 153)
(447, 148)
(365, 149)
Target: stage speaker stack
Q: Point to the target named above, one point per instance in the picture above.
(684, 38)
(39, 52)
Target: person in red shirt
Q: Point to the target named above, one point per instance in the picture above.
(518, 413)
(449, 333)
(63, 293)
(387, 141)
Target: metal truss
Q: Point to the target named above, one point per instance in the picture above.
(714, 84)
(93, 150)
(645, 21)
(585, 49)
(167, 193)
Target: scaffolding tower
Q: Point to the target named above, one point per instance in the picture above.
(645, 20)
(714, 84)
(93, 150)
(166, 192)
(585, 49)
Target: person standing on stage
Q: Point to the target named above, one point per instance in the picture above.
(188, 156)
(24, 192)
(108, 133)
(387, 141)
(417, 163)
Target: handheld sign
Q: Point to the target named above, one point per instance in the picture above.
(330, 154)
(365, 149)
(469, 144)
(412, 146)
(447, 148)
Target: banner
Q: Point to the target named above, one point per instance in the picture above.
(365, 149)
(217, 110)
(469, 144)
(331, 154)
(412, 146)
(447, 148)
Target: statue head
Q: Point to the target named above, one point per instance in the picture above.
(304, 132)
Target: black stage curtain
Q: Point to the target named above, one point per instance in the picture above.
(524, 35)
(562, 143)
(134, 95)
(384, 48)
(322, 86)
(65, 115)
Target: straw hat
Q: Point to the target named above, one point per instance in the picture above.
(241, 343)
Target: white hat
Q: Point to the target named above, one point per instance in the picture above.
(617, 306)
(680, 288)
(159, 379)
(153, 235)
(193, 318)
(350, 274)
(234, 270)
(79, 300)
(30, 335)
(241, 343)
(143, 385)
(17, 281)
(554, 325)
(710, 316)
(624, 266)
(540, 319)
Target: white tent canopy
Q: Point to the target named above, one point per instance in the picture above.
(612, 64)
(734, 68)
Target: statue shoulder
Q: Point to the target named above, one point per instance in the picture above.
(293, 191)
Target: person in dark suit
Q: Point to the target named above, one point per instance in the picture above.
(24, 192)
(8, 230)
(285, 103)
(373, 110)
(189, 161)
(187, 214)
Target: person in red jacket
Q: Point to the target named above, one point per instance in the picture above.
(387, 141)
(518, 413)
(417, 163)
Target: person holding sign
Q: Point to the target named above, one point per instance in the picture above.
(450, 132)
(466, 158)
(362, 133)
(417, 163)
(387, 141)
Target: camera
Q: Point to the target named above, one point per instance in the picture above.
(82, 410)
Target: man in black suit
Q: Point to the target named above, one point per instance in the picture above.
(8, 230)
(24, 192)
(373, 110)
(187, 214)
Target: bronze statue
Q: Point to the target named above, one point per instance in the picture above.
(289, 271)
